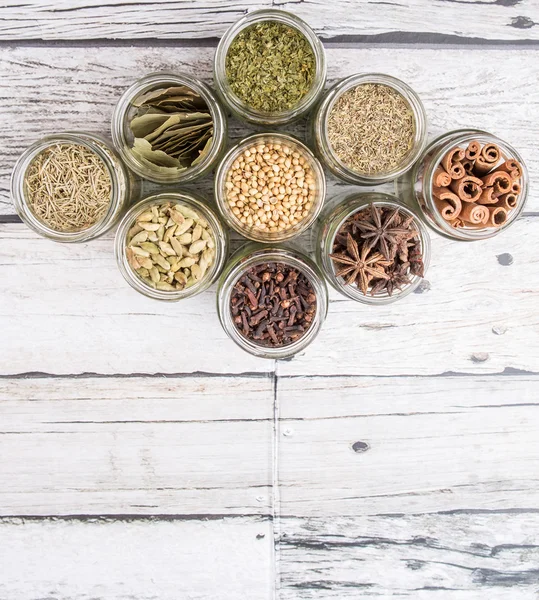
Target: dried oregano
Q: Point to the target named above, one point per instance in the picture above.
(270, 66)
(371, 128)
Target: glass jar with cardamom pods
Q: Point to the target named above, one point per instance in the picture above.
(71, 187)
(270, 187)
(271, 301)
(468, 184)
(371, 247)
(369, 129)
(269, 67)
(169, 128)
(171, 246)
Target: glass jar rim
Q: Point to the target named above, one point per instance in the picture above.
(193, 201)
(287, 18)
(363, 201)
(90, 141)
(466, 135)
(263, 254)
(224, 167)
(155, 81)
(409, 95)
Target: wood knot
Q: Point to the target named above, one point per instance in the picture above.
(360, 447)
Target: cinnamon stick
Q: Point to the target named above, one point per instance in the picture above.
(487, 196)
(441, 177)
(473, 150)
(475, 214)
(497, 216)
(513, 167)
(507, 201)
(448, 204)
(487, 160)
(451, 163)
(516, 187)
(468, 166)
(468, 189)
(499, 180)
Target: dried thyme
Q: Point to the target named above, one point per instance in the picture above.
(270, 66)
(68, 187)
(371, 128)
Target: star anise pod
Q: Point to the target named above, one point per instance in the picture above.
(382, 231)
(358, 266)
(397, 278)
(415, 257)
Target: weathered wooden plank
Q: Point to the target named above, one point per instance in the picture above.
(368, 19)
(66, 309)
(460, 556)
(223, 559)
(48, 89)
(364, 446)
(136, 445)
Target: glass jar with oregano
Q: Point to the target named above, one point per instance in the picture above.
(371, 247)
(270, 187)
(171, 246)
(270, 67)
(71, 187)
(369, 129)
(469, 185)
(169, 128)
(271, 301)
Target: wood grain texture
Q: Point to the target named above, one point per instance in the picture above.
(51, 89)
(408, 445)
(136, 445)
(411, 20)
(222, 559)
(460, 556)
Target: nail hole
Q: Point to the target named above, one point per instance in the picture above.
(360, 447)
(505, 259)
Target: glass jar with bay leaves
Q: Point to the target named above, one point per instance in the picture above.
(169, 128)
(369, 129)
(371, 247)
(71, 187)
(171, 246)
(270, 67)
(272, 301)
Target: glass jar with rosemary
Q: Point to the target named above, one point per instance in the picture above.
(271, 301)
(71, 187)
(270, 67)
(169, 128)
(369, 129)
(371, 247)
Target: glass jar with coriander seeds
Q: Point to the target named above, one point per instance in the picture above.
(371, 248)
(169, 128)
(369, 129)
(171, 246)
(271, 301)
(270, 187)
(71, 187)
(269, 67)
(468, 184)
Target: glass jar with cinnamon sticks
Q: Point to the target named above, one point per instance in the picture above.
(470, 185)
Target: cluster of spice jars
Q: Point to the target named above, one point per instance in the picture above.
(368, 129)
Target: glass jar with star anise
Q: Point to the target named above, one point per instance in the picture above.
(371, 247)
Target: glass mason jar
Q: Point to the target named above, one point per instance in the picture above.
(123, 186)
(193, 202)
(330, 221)
(422, 183)
(319, 133)
(236, 104)
(124, 112)
(252, 255)
(251, 232)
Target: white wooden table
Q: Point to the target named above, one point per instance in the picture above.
(143, 456)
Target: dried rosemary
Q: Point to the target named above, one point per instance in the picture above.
(68, 187)
(371, 128)
(270, 66)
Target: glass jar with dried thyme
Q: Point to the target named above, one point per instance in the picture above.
(71, 187)
(169, 128)
(270, 67)
(371, 247)
(271, 301)
(171, 246)
(369, 129)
